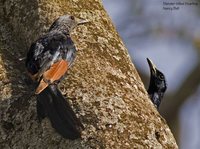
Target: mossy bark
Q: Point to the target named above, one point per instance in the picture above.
(103, 86)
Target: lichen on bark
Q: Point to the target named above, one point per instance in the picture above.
(103, 85)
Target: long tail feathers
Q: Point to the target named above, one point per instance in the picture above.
(52, 104)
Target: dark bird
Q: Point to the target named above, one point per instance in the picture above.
(47, 62)
(157, 85)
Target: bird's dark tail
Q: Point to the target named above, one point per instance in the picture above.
(52, 104)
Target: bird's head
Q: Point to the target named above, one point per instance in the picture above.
(157, 79)
(66, 23)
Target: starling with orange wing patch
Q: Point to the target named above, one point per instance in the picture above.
(48, 60)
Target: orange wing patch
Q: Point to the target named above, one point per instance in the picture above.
(56, 71)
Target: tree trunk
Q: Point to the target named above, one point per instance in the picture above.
(103, 86)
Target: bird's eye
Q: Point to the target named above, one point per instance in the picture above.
(72, 17)
(161, 77)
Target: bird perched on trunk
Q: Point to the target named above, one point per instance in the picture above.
(157, 85)
(48, 60)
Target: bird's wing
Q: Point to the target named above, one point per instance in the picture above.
(56, 71)
(49, 58)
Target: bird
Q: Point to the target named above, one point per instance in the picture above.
(157, 84)
(48, 59)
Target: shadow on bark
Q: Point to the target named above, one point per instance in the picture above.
(15, 100)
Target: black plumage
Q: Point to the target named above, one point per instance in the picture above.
(52, 104)
(157, 85)
(48, 60)
(49, 49)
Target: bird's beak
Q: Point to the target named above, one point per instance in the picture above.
(81, 21)
(151, 66)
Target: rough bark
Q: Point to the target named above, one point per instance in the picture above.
(103, 86)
